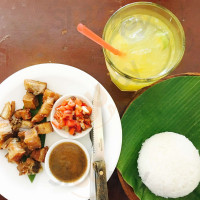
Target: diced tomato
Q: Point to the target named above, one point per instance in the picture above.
(87, 126)
(62, 123)
(70, 123)
(58, 107)
(84, 104)
(61, 108)
(68, 112)
(71, 103)
(68, 116)
(64, 103)
(78, 127)
(72, 131)
(78, 111)
(87, 121)
(89, 109)
(78, 102)
(56, 124)
(56, 116)
(80, 118)
(68, 107)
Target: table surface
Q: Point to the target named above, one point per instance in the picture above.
(33, 32)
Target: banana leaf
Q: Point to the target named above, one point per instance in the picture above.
(171, 105)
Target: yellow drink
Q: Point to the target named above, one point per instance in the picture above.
(152, 39)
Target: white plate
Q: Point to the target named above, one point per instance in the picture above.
(62, 79)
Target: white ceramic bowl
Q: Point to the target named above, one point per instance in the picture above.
(52, 177)
(62, 132)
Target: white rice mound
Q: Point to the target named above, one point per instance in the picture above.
(169, 165)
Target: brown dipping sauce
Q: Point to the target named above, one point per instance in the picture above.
(67, 162)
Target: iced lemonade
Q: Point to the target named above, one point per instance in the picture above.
(151, 44)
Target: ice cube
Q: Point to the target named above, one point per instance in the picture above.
(135, 29)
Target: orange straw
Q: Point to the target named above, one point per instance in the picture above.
(91, 35)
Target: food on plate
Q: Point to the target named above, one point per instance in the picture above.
(23, 114)
(32, 139)
(44, 110)
(30, 101)
(6, 143)
(26, 124)
(67, 162)
(48, 93)
(21, 132)
(8, 110)
(44, 128)
(16, 124)
(15, 150)
(30, 166)
(39, 154)
(21, 135)
(35, 87)
(5, 131)
(73, 115)
(169, 165)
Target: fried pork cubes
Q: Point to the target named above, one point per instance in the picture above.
(35, 87)
(8, 110)
(23, 114)
(5, 131)
(28, 167)
(44, 128)
(48, 93)
(44, 110)
(20, 131)
(32, 139)
(15, 151)
(30, 101)
(39, 154)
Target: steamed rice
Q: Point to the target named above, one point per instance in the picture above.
(169, 165)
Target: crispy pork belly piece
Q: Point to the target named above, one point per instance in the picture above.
(29, 167)
(24, 145)
(16, 124)
(48, 93)
(26, 124)
(4, 141)
(8, 110)
(35, 87)
(44, 110)
(1, 144)
(15, 151)
(21, 135)
(38, 118)
(40, 154)
(5, 130)
(5, 144)
(32, 139)
(30, 101)
(13, 107)
(44, 128)
(23, 114)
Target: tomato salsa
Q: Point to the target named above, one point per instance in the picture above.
(73, 115)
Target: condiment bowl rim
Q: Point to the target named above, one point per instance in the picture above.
(62, 132)
(47, 168)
